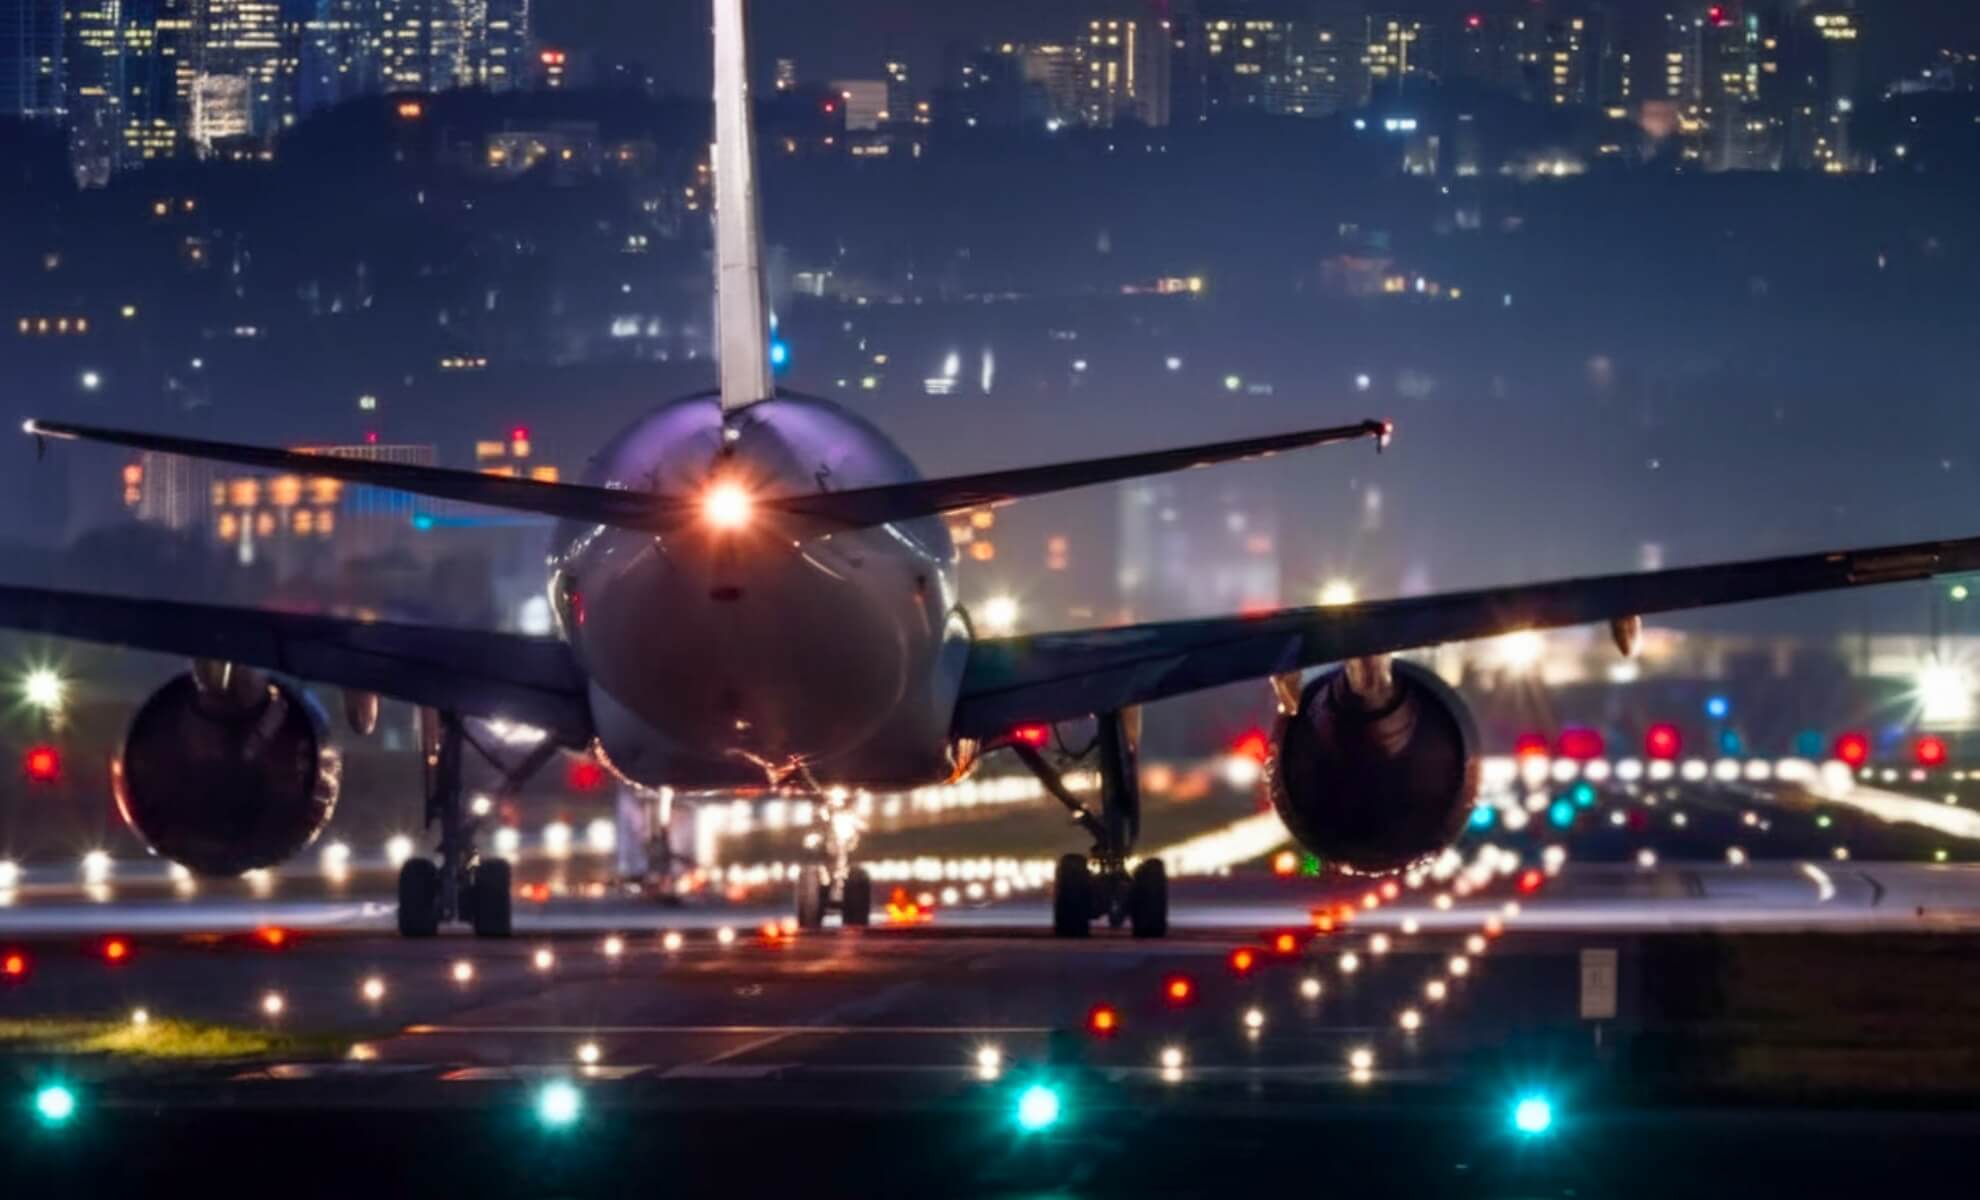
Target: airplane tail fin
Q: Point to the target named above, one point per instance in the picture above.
(742, 305)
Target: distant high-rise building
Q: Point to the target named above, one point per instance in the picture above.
(865, 102)
(246, 73)
(989, 89)
(786, 78)
(1052, 85)
(31, 59)
(1127, 72)
(1396, 50)
(501, 55)
(340, 54)
(160, 64)
(900, 93)
(1738, 58)
(1495, 51)
(93, 86)
(1821, 74)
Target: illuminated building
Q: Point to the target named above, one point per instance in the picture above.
(1052, 83)
(865, 102)
(1821, 74)
(1188, 548)
(93, 84)
(1126, 73)
(339, 54)
(989, 90)
(245, 81)
(1396, 49)
(1738, 65)
(31, 59)
(786, 79)
(1281, 67)
(900, 94)
(1496, 51)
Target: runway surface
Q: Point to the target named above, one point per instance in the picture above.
(599, 991)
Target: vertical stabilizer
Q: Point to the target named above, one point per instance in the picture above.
(742, 307)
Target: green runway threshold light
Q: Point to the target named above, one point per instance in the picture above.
(1037, 1108)
(558, 1105)
(1533, 1115)
(54, 1104)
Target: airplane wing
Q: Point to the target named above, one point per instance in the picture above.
(1061, 676)
(531, 680)
(820, 512)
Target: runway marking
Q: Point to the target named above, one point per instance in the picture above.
(732, 1030)
(1825, 890)
(753, 1044)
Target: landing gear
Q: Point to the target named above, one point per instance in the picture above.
(812, 892)
(1148, 899)
(1085, 888)
(834, 883)
(1072, 897)
(419, 898)
(461, 886)
(856, 909)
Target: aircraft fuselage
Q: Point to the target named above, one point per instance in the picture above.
(725, 657)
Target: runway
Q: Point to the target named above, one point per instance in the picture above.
(621, 991)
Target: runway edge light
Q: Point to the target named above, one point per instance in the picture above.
(1533, 1115)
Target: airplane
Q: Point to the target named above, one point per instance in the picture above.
(754, 588)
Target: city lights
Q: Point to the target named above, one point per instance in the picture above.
(1000, 615)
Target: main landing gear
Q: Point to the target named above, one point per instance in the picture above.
(833, 884)
(460, 885)
(1089, 886)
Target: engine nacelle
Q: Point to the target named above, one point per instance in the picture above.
(226, 780)
(1374, 774)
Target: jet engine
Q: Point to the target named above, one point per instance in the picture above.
(225, 770)
(1374, 768)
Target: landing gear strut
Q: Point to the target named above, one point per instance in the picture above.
(1087, 887)
(461, 885)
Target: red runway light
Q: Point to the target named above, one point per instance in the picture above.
(272, 936)
(43, 764)
(1530, 745)
(1031, 735)
(1285, 863)
(14, 966)
(1929, 751)
(1344, 913)
(1581, 744)
(1662, 741)
(1323, 921)
(1853, 749)
(116, 950)
(1103, 1020)
(1254, 745)
(1179, 989)
(1530, 880)
(1285, 943)
(1242, 960)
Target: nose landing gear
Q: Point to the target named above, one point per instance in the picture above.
(833, 884)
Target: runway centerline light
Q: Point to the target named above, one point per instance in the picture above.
(54, 1104)
(1310, 988)
(1533, 1115)
(463, 971)
(1254, 1019)
(543, 959)
(588, 1053)
(558, 1104)
(1038, 1108)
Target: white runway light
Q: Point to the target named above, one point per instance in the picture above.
(1410, 1020)
(543, 959)
(374, 989)
(463, 971)
(613, 946)
(671, 940)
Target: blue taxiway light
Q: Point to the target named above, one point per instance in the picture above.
(54, 1104)
(1037, 1108)
(558, 1104)
(1533, 1115)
